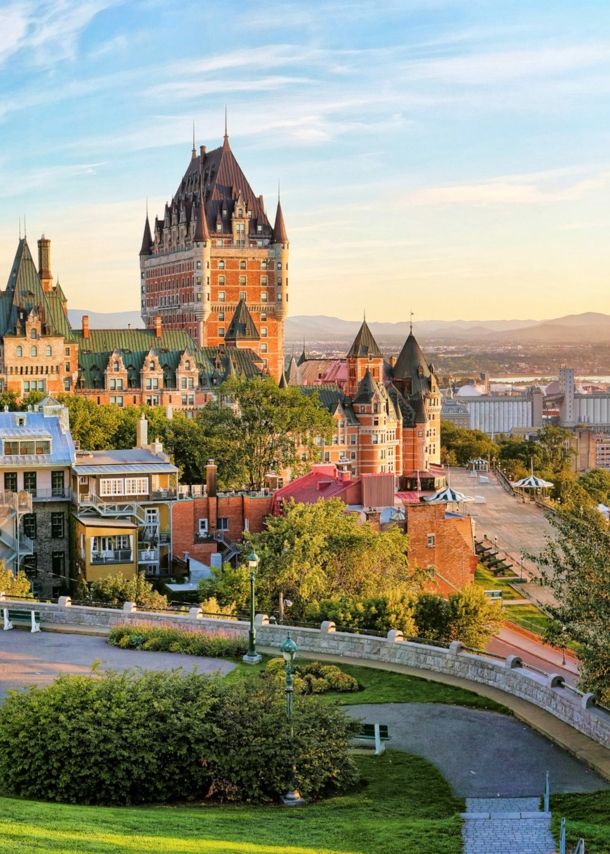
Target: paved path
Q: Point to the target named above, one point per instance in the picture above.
(506, 826)
(540, 655)
(481, 754)
(27, 659)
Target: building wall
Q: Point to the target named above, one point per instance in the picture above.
(46, 547)
(499, 414)
(452, 551)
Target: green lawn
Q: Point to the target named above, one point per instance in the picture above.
(384, 686)
(528, 616)
(587, 816)
(487, 580)
(403, 805)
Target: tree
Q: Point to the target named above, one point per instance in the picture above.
(577, 568)
(556, 448)
(473, 618)
(314, 552)
(465, 444)
(596, 483)
(10, 399)
(272, 428)
(12, 584)
(92, 425)
(116, 590)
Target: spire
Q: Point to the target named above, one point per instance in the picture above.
(242, 327)
(194, 151)
(279, 229)
(146, 238)
(411, 323)
(226, 137)
(364, 344)
(367, 389)
(303, 356)
(202, 232)
(283, 383)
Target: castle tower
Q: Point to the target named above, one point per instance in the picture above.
(44, 264)
(363, 356)
(214, 248)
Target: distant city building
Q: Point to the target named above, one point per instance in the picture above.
(494, 414)
(214, 255)
(579, 407)
(455, 412)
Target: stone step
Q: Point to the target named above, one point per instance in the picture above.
(506, 826)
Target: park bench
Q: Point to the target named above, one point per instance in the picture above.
(31, 618)
(377, 733)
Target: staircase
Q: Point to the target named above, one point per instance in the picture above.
(506, 826)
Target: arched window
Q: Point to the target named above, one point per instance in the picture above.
(152, 366)
(33, 334)
(187, 366)
(19, 351)
(241, 212)
(48, 351)
(116, 366)
(33, 351)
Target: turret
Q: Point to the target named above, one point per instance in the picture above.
(44, 264)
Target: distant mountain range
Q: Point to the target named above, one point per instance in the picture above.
(591, 327)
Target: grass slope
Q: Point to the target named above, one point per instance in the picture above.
(587, 816)
(404, 804)
(384, 686)
(487, 580)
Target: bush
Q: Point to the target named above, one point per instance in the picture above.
(143, 737)
(376, 613)
(116, 590)
(160, 637)
(313, 678)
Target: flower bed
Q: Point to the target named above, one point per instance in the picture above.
(157, 637)
(313, 678)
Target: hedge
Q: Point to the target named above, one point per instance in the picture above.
(312, 678)
(146, 737)
(159, 637)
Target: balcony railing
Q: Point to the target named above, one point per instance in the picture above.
(148, 555)
(52, 494)
(164, 494)
(112, 556)
(20, 502)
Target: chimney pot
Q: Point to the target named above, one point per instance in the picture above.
(85, 326)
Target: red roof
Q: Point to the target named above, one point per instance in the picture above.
(322, 482)
(408, 497)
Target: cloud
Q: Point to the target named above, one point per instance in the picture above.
(536, 188)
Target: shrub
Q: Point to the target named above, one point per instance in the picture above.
(142, 737)
(160, 637)
(313, 678)
(116, 590)
(376, 613)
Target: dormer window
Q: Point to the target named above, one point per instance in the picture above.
(241, 212)
(152, 366)
(115, 367)
(224, 211)
(219, 227)
(33, 334)
(187, 366)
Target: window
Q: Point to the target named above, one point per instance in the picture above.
(30, 564)
(265, 364)
(352, 455)
(263, 263)
(112, 385)
(221, 265)
(203, 527)
(187, 365)
(66, 385)
(221, 315)
(264, 281)
(57, 525)
(48, 351)
(119, 401)
(263, 348)
(263, 331)
(184, 400)
(112, 486)
(67, 351)
(242, 265)
(29, 525)
(221, 332)
(68, 367)
(191, 399)
(326, 456)
(33, 351)
(352, 439)
(57, 483)
(199, 265)
(26, 385)
(263, 296)
(375, 439)
(242, 281)
(29, 480)
(221, 281)
(223, 523)
(19, 352)
(221, 296)
(191, 382)
(58, 564)
(279, 297)
(263, 315)
(183, 382)
(10, 481)
(243, 295)
(33, 334)
(115, 367)
(279, 265)
(259, 229)
(136, 486)
(430, 541)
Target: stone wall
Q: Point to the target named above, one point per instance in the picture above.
(544, 690)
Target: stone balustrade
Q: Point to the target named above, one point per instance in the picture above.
(544, 690)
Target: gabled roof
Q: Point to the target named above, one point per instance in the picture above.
(279, 229)
(401, 406)
(242, 327)
(24, 293)
(364, 344)
(411, 364)
(331, 397)
(367, 389)
(294, 373)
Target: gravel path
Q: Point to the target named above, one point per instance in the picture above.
(481, 754)
(27, 659)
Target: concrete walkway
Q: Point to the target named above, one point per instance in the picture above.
(481, 754)
(37, 659)
(506, 826)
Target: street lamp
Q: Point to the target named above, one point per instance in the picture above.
(251, 656)
(288, 650)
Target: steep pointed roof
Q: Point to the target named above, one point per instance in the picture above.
(24, 293)
(302, 357)
(242, 326)
(411, 364)
(202, 232)
(294, 373)
(217, 178)
(364, 344)
(402, 407)
(367, 389)
(283, 383)
(146, 238)
(421, 416)
(279, 229)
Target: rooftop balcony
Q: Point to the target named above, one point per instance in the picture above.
(112, 556)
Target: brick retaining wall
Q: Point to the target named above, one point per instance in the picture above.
(545, 691)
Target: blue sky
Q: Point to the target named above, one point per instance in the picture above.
(452, 158)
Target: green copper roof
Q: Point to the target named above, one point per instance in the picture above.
(242, 326)
(330, 397)
(411, 364)
(364, 344)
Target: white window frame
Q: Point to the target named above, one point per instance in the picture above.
(136, 486)
(203, 527)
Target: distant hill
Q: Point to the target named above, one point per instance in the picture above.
(591, 327)
(106, 320)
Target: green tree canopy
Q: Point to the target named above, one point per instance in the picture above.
(596, 483)
(464, 445)
(12, 584)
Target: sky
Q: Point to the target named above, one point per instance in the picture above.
(449, 158)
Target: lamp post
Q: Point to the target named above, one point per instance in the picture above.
(288, 650)
(251, 656)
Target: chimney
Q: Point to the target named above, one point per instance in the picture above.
(392, 361)
(142, 432)
(85, 326)
(272, 480)
(157, 325)
(202, 150)
(210, 478)
(44, 264)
